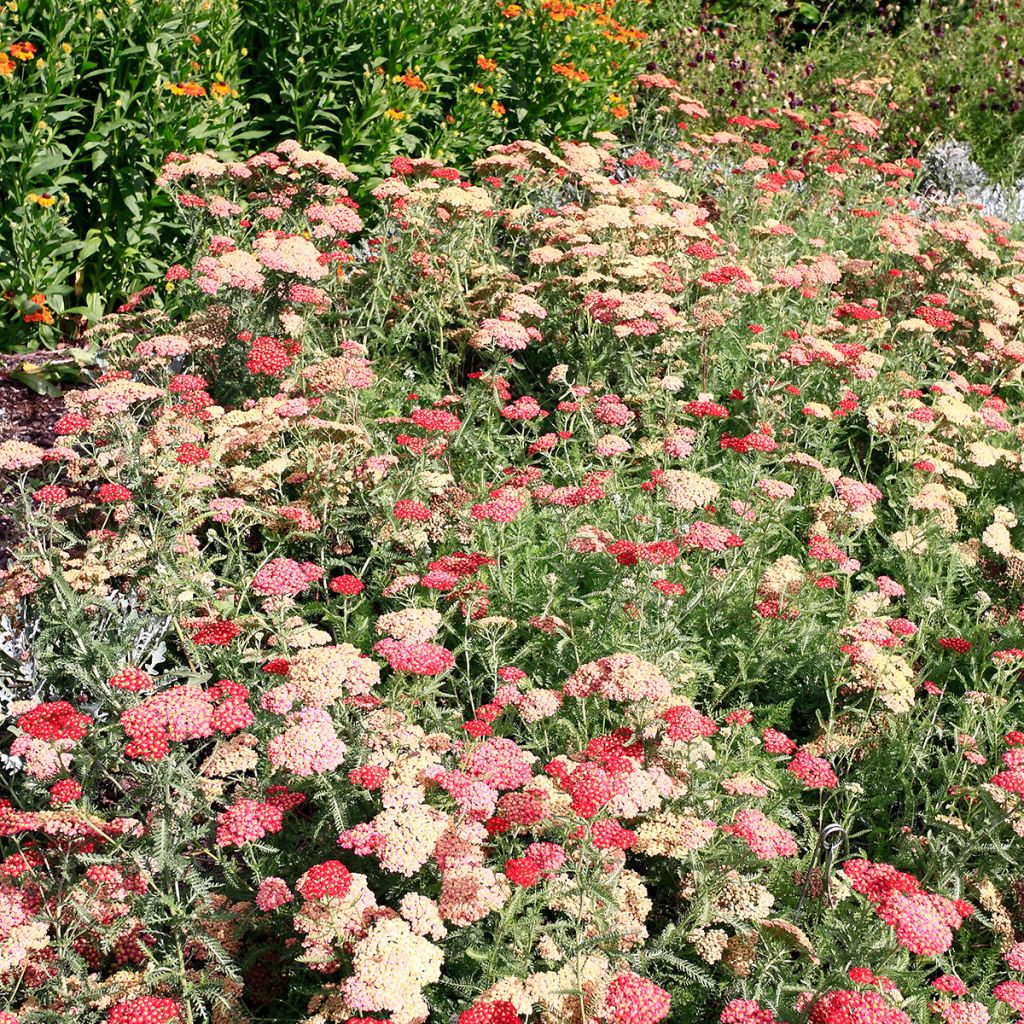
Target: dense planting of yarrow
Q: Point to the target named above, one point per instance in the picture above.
(473, 606)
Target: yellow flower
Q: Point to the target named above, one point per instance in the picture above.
(498, 108)
(45, 200)
(478, 89)
(395, 115)
(66, 47)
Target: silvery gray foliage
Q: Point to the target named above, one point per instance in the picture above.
(18, 677)
(949, 174)
(138, 636)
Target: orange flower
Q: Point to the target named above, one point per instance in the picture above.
(395, 115)
(41, 315)
(486, 64)
(45, 200)
(512, 11)
(219, 89)
(619, 111)
(413, 81)
(6, 65)
(186, 89)
(23, 51)
(559, 11)
(498, 108)
(570, 71)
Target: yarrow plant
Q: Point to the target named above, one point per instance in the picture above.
(513, 634)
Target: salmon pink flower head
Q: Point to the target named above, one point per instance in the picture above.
(813, 772)
(622, 677)
(247, 821)
(424, 659)
(951, 984)
(745, 1011)
(765, 839)
(524, 408)
(282, 577)
(309, 745)
(501, 763)
(273, 893)
(1011, 993)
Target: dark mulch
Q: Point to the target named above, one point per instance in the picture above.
(24, 416)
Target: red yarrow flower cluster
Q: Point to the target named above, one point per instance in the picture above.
(813, 772)
(346, 584)
(329, 879)
(145, 1010)
(632, 999)
(924, 922)
(54, 721)
(499, 1011)
(845, 1007)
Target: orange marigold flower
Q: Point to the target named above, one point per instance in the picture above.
(220, 89)
(486, 64)
(498, 108)
(619, 111)
(571, 72)
(23, 51)
(6, 65)
(559, 11)
(413, 81)
(395, 115)
(41, 315)
(512, 11)
(186, 89)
